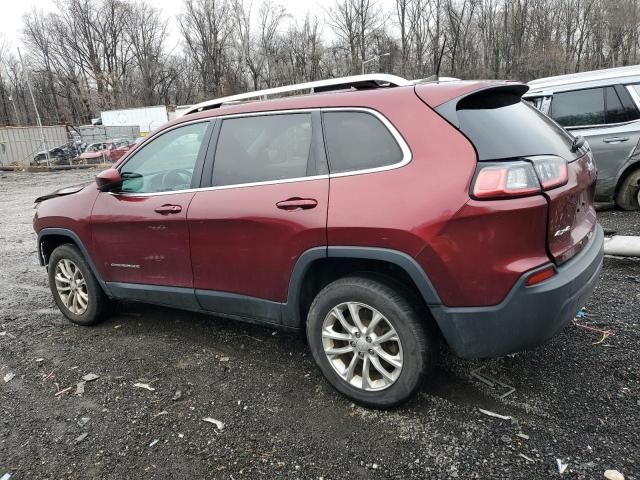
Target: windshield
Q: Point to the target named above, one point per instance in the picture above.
(95, 147)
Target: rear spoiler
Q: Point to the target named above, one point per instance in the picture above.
(490, 96)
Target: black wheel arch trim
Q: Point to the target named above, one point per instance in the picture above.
(65, 232)
(291, 314)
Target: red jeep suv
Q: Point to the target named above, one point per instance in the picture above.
(376, 214)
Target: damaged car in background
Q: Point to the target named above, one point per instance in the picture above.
(603, 107)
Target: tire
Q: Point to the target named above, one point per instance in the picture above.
(415, 348)
(628, 197)
(69, 272)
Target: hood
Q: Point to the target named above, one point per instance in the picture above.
(63, 191)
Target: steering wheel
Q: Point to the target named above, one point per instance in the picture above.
(174, 178)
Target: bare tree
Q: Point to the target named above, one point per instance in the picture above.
(146, 30)
(88, 55)
(207, 28)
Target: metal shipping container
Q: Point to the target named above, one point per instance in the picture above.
(147, 118)
(18, 145)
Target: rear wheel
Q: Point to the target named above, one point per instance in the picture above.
(369, 341)
(628, 197)
(75, 289)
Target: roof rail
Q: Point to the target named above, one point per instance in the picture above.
(580, 77)
(356, 81)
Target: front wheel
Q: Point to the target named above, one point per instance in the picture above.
(628, 197)
(369, 341)
(75, 289)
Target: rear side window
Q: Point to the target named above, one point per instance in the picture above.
(358, 141)
(593, 106)
(501, 126)
(262, 148)
(579, 108)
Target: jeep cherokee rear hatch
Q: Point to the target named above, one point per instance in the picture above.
(521, 152)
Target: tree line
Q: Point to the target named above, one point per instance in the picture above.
(93, 55)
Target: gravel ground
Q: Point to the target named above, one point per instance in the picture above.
(576, 399)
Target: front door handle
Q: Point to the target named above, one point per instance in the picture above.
(297, 203)
(167, 209)
(615, 139)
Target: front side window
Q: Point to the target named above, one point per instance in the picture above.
(358, 141)
(166, 163)
(579, 108)
(263, 148)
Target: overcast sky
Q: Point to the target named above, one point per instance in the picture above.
(11, 12)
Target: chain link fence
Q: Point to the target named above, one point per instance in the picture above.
(100, 133)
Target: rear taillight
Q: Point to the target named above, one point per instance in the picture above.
(552, 171)
(505, 179)
(519, 178)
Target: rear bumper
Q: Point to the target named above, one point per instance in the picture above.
(528, 316)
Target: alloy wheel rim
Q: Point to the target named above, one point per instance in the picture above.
(362, 346)
(71, 286)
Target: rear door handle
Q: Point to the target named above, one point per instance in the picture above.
(615, 139)
(297, 203)
(167, 209)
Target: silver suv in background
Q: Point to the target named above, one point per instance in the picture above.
(604, 107)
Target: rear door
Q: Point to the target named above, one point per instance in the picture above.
(607, 118)
(267, 204)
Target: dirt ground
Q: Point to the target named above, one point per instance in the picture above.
(577, 398)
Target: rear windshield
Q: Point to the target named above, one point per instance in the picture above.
(500, 125)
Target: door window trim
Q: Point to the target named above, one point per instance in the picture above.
(209, 156)
(633, 93)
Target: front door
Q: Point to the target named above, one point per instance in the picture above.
(267, 205)
(140, 232)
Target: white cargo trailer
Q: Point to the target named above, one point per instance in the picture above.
(147, 118)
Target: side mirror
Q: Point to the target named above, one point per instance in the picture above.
(108, 180)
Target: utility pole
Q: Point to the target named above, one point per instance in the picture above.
(15, 110)
(35, 107)
(373, 59)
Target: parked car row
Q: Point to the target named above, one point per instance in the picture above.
(99, 152)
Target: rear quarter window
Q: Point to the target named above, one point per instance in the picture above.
(501, 126)
(358, 141)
